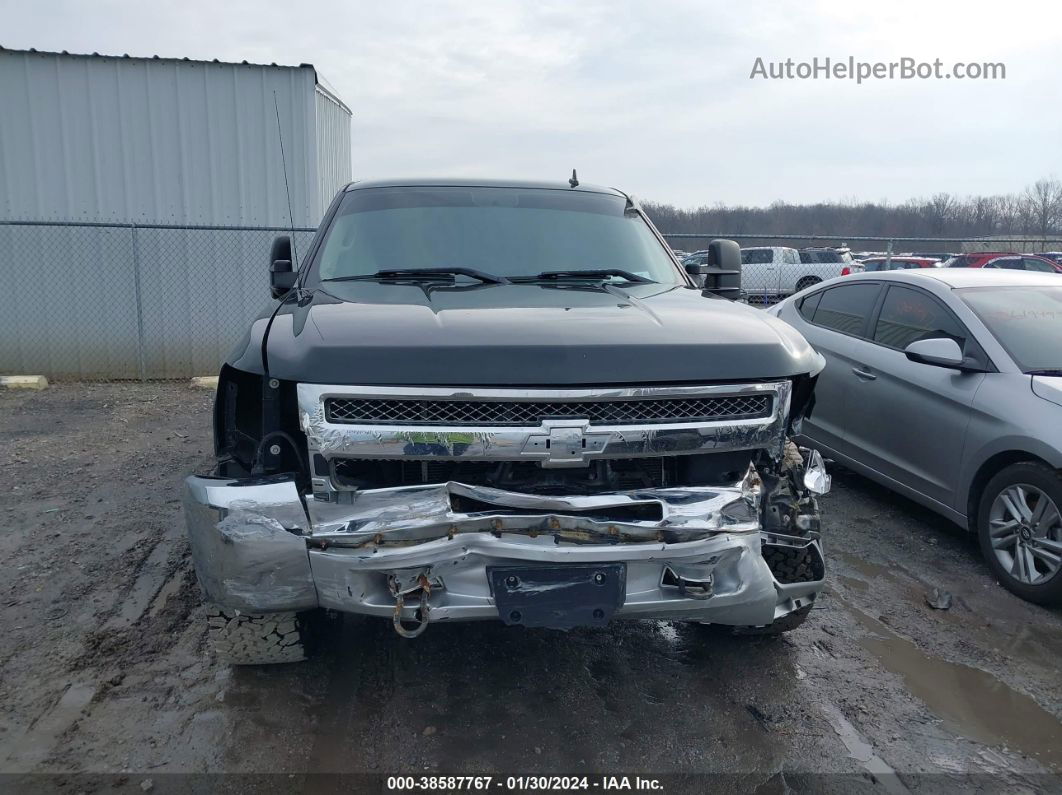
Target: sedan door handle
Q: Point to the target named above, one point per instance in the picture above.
(866, 375)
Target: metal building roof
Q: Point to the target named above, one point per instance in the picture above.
(322, 83)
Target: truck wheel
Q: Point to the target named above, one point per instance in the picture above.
(1019, 525)
(256, 638)
(806, 282)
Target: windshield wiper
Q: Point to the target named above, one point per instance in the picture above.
(417, 273)
(595, 274)
(1049, 372)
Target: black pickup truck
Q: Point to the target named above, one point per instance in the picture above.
(504, 401)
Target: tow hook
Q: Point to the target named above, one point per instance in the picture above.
(421, 614)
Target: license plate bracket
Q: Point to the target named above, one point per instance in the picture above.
(558, 597)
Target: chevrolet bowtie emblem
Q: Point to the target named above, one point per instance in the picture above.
(565, 443)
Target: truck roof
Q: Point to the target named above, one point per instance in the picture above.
(455, 182)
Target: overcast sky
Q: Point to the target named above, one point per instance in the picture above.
(652, 97)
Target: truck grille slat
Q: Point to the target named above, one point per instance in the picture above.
(388, 411)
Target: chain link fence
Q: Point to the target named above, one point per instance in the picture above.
(114, 301)
(774, 266)
(108, 301)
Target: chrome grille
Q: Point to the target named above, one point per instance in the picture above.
(401, 411)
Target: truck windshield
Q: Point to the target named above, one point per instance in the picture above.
(508, 232)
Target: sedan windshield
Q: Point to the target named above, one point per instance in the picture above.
(504, 232)
(1027, 321)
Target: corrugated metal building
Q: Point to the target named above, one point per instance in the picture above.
(137, 142)
(162, 140)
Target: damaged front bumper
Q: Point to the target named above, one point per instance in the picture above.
(435, 552)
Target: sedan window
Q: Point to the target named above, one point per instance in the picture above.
(1032, 264)
(845, 309)
(908, 315)
(809, 304)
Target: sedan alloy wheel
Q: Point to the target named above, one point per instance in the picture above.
(1025, 527)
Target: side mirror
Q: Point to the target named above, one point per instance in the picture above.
(281, 277)
(725, 254)
(939, 352)
(722, 274)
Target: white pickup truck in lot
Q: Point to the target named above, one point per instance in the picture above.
(819, 264)
(771, 271)
(765, 270)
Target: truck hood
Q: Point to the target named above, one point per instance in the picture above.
(370, 333)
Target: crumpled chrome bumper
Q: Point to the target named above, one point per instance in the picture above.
(690, 553)
(248, 543)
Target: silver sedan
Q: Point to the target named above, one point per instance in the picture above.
(945, 385)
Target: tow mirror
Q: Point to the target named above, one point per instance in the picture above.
(939, 352)
(725, 254)
(281, 277)
(722, 275)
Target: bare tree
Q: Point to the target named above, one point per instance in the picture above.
(1042, 202)
(982, 216)
(1037, 210)
(938, 211)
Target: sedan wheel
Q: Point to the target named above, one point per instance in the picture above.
(1020, 529)
(1026, 531)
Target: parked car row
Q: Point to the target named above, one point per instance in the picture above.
(774, 270)
(985, 259)
(1005, 260)
(936, 256)
(886, 263)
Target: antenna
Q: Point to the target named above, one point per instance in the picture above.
(574, 181)
(287, 192)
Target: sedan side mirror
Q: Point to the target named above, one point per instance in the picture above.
(281, 277)
(939, 352)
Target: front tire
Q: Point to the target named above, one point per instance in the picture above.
(257, 638)
(1019, 525)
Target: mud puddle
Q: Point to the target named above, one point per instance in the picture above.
(867, 569)
(971, 702)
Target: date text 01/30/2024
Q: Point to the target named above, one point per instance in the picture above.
(521, 783)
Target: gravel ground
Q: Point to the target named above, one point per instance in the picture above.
(106, 682)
